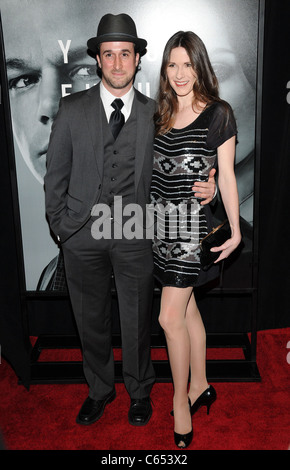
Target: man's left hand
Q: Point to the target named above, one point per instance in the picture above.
(205, 190)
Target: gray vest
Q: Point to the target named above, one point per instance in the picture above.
(119, 161)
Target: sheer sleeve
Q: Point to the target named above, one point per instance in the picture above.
(222, 126)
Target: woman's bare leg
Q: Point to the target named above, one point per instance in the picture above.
(197, 334)
(174, 302)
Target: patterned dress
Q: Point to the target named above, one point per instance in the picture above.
(181, 157)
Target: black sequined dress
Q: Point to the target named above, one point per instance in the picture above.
(181, 157)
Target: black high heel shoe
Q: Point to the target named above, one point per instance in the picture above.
(183, 440)
(205, 399)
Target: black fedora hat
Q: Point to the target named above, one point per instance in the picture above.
(116, 28)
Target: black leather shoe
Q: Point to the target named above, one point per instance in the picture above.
(140, 411)
(92, 410)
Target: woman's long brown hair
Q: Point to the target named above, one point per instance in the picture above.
(205, 88)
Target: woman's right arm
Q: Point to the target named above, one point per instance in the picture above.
(229, 193)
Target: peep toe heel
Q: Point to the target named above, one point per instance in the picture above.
(205, 399)
(183, 440)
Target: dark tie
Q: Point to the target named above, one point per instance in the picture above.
(117, 118)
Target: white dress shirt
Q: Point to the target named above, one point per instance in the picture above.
(107, 98)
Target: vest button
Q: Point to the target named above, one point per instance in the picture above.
(113, 179)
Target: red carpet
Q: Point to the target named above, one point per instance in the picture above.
(246, 416)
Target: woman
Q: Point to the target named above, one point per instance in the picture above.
(195, 129)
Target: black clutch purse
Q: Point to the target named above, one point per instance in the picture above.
(215, 238)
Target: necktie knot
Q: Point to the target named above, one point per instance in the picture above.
(117, 118)
(117, 104)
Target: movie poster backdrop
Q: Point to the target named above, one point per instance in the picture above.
(46, 58)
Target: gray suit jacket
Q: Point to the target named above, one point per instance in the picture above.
(73, 181)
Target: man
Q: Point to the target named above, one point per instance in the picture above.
(87, 166)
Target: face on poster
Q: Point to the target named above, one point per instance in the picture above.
(46, 56)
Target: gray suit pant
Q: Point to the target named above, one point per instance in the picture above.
(89, 264)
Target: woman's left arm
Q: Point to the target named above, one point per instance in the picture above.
(229, 193)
